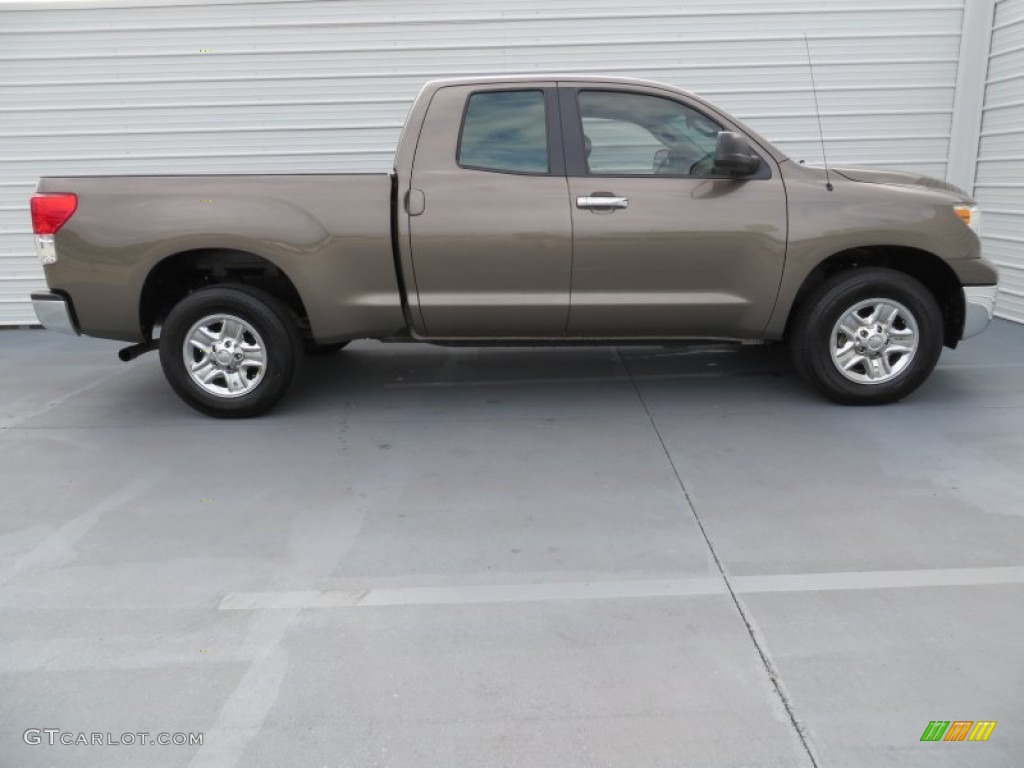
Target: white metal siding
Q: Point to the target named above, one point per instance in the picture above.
(999, 183)
(322, 85)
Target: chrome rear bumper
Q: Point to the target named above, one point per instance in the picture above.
(54, 313)
(979, 305)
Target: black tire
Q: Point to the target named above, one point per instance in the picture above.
(811, 338)
(319, 350)
(275, 333)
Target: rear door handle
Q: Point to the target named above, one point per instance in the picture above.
(602, 202)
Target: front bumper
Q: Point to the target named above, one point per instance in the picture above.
(979, 305)
(54, 313)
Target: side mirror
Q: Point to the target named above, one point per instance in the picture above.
(733, 155)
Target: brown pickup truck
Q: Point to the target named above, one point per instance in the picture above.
(523, 210)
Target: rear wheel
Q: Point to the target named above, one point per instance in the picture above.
(868, 336)
(230, 351)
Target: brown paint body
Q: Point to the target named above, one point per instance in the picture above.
(506, 256)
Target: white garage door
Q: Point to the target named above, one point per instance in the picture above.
(999, 184)
(323, 85)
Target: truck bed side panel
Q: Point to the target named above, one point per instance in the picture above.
(330, 234)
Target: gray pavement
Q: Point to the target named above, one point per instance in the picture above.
(652, 557)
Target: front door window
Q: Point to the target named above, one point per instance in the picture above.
(635, 134)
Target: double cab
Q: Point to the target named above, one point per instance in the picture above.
(552, 210)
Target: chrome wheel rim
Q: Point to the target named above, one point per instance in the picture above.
(874, 341)
(224, 356)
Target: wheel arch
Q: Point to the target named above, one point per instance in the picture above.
(930, 270)
(177, 275)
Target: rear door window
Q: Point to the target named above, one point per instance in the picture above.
(505, 131)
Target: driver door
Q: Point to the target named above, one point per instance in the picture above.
(662, 246)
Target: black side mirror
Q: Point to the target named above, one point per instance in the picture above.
(733, 155)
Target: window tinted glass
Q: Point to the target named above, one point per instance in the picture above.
(640, 135)
(505, 131)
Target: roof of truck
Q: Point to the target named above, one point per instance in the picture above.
(534, 77)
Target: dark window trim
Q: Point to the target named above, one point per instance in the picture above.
(556, 153)
(575, 161)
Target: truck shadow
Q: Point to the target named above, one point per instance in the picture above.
(371, 381)
(372, 377)
(375, 380)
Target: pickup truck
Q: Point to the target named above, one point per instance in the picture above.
(551, 210)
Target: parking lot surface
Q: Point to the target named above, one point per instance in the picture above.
(641, 557)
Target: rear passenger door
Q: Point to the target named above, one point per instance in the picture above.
(489, 216)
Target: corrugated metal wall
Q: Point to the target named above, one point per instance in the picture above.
(323, 85)
(999, 183)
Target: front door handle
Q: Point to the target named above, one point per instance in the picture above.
(602, 202)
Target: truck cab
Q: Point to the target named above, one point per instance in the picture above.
(579, 209)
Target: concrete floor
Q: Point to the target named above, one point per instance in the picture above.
(512, 557)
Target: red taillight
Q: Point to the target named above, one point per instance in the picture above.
(50, 212)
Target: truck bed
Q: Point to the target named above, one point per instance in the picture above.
(330, 233)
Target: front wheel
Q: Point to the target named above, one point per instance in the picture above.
(230, 351)
(868, 336)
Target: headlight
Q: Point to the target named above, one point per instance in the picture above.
(969, 215)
